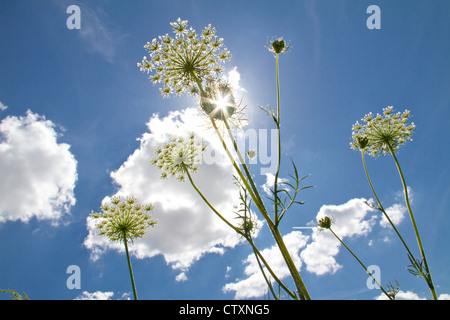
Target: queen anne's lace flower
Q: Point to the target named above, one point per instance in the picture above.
(124, 219)
(179, 155)
(184, 61)
(381, 133)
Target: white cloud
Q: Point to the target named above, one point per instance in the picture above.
(410, 295)
(2, 106)
(38, 173)
(181, 277)
(98, 295)
(234, 77)
(352, 219)
(254, 285)
(396, 213)
(268, 185)
(187, 229)
(402, 295)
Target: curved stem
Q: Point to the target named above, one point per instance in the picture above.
(257, 252)
(301, 289)
(416, 230)
(362, 264)
(129, 266)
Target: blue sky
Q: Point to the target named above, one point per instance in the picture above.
(79, 122)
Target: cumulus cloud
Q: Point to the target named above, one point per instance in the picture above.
(38, 173)
(317, 252)
(187, 229)
(268, 185)
(98, 295)
(254, 285)
(402, 295)
(352, 219)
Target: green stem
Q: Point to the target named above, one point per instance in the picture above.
(416, 230)
(257, 252)
(208, 203)
(362, 264)
(129, 266)
(275, 183)
(301, 289)
(381, 208)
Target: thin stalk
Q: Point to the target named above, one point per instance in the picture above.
(257, 252)
(416, 230)
(380, 205)
(208, 203)
(262, 270)
(129, 266)
(301, 289)
(275, 183)
(362, 264)
(282, 285)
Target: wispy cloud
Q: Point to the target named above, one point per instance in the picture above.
(98, 34)
(2, 106)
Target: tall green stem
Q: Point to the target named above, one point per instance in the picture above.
(129, 266)
(256, 251)
(416, 230)
(277, 171)
(301, 288)
(362, 264)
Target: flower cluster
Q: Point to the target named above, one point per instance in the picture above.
(182, 62)
(124, 220)
(179, 155)
(383, 133)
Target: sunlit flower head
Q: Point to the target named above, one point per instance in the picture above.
(124, 219)
(217, 100)
(185, 60)
(380, 133)
(179, 155)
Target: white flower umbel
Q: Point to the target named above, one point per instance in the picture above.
(382, 133)
(184, 61)
(179, 155)
(124, 221)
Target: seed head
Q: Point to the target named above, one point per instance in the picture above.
(217, 100)
(325, 223)
(278, 46)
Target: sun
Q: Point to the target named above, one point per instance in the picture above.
(222, 104)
